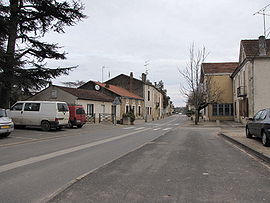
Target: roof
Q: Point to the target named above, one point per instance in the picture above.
(145, 83)
(119, 90)
(87, 94)
(251, 47)
(227, 67)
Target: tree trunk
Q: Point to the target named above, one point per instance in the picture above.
(10, 55)
(197, 114)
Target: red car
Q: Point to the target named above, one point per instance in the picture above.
(77, 116)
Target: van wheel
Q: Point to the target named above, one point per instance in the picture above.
(45, 126)
(79, 126)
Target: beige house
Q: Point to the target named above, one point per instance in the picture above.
(251, 78)
(216, 78)
(127, 100)
(153, 97)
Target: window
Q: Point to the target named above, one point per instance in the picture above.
(257, 115)
(80, 111)
(62, 107)
(150, 111)
(32, 106)
(17, 107)
(223, 110)
(127, 108)
(103, 108)
(54, 94)
(133, 109)
(90, 109)
(139, 110)
(148, 95)
(263, 115)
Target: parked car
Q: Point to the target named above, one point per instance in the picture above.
(46, 114)
(259, 126)
(6, 124)
(77, 116)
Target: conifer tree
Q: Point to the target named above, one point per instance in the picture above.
(23, 23)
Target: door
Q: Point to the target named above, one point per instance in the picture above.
(16, 112)
(260, 123)
(252, 125)
(31, 114)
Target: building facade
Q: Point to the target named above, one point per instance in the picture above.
(153, 97)
(215, 77)
(251, 78)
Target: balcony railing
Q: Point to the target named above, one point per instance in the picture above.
(241, 91)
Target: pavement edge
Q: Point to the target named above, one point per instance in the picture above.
(248, 149)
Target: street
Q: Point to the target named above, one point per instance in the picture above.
(169, 161)
(35, 164)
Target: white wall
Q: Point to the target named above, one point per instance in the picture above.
(98, 107)
(261, 84)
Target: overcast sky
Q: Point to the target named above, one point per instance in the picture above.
(122, 34)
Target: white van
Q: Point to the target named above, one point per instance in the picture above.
(47, 114)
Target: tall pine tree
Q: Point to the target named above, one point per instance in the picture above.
(23, 23)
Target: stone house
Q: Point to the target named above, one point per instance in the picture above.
(128, 100)
(153, 97)
(94, 102)
(216, 77)
(251, 78)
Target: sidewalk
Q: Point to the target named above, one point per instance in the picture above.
(235, 132)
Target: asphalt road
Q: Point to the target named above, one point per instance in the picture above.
(34, 165)
(187, 164)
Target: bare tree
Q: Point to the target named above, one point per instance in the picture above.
(74, 84)
(199, 91)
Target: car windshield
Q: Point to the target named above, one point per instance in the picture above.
(3, 113)
(62, 107)
(80, 111)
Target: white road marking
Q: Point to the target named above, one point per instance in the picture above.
(166, 129)
(128, 128)
(156, 129)
(26, 138)
(176, 124)
(35, 159)
(139, 128)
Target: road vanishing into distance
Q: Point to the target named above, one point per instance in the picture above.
(169, 161)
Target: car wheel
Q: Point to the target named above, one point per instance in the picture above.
(5, 134)
(265, 140)
(248, 134)
(79, 126)
(45, 126)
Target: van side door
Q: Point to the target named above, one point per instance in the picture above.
(30, 114)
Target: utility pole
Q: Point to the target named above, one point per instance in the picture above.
(262, 12)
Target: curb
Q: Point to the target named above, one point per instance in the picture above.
(247, 148)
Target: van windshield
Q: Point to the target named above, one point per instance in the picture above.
(3, 113)
(62, 107)
(80, 111)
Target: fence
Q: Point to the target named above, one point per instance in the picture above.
(91, 118)
(105, 117)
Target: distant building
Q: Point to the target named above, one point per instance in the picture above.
(216, 77)
(251, 78)
(153, 97)
(128, 100)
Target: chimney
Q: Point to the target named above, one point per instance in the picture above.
(131, 82)
(155, 84)
(143, 77)
(262, 46)
(107, 85)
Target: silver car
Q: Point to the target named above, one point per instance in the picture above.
(6, 124)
